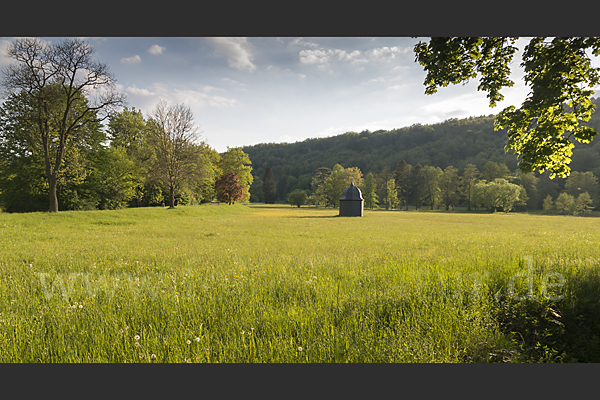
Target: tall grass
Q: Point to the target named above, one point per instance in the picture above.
(281, 284)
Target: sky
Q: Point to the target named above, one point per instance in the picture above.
(249, 90)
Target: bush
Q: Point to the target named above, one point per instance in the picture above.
(297, 197)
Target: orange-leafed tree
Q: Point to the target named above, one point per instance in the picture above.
(228, 188)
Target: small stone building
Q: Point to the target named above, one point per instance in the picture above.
(351, 202)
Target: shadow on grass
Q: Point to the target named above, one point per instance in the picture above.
(566, 330)
(315, 216)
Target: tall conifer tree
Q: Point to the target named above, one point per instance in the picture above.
(269, 187)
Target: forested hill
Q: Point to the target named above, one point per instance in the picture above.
(455, 142)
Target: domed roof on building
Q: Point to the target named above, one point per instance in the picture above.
(351, 193)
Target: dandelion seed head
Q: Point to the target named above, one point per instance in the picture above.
(197, 339)
(188, 341)
(137, 337)
(299, 348)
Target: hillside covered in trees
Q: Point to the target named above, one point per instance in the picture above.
(454, 142)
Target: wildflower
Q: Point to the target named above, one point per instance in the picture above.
(137, 337)
(197, 339)
(136, 344)
(188, 341)
(243, 332)
(153, 356)
(141, 356)
(81, 306)
(299, 348)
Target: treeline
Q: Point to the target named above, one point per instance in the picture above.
(132, 161)
(495, 188)
(455, 142)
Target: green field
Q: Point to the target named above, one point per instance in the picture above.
(284, 284)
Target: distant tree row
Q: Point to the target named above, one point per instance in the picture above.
(137, 161)
(495, 188)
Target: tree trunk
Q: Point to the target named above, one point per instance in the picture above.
(172, 196)
(53, 200)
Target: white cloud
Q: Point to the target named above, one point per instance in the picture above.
(156, 49)
(233, 82)
(322, 57)
(218, 101)
(374, 80)
(173, 95)
(131, 60)
(139, 92)
(208, 88)
(287, 71)
(387, 53)
(236, 50)
(398, 87)
(302, 42)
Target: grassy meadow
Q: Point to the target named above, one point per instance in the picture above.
(270, 284)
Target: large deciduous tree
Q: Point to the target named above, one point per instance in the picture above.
(55, 77)
(432, 176)
(449, 185)
(318, 185)
(497, 194)
(401, 178)
(339, 179)
(417, 186)
(391, 198)
(127, 130)
(23, 178)
(229, 189)
(178, 158)
(467, 181)
(236, 161)
(369, 192)
(560, 76)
